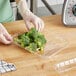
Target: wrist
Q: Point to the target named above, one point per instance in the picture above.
(23, 8)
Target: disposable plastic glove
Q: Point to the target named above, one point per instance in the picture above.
(29, 17)
(5, 37)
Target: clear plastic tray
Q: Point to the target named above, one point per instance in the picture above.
(66, 66)
(54, 45)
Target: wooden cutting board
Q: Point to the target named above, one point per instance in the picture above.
(31, 65)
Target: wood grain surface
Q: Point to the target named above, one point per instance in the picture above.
(31, 65)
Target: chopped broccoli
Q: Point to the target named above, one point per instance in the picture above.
(33, 33)
(32, 47)
(23, 40)
(31, 40)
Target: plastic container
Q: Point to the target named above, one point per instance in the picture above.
(54, 45)
(66, 68)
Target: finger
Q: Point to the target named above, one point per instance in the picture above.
(28, 25)
(8, 37)
(39, 26)
(42, 25)
(4, 40)
(35, 23)
(4, 31)
(3, 28)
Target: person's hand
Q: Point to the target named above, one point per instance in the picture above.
(29, 17)
(5, 37)
(36, 21)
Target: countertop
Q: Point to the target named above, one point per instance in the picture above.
(31, 65)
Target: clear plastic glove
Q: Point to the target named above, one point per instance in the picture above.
(5, 37)
(29, 17)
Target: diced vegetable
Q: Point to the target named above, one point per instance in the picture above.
(32, 40)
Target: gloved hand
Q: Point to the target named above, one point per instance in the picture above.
(5, 37)
(29, 17)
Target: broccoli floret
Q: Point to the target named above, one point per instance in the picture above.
(31, 40)
(17, 40)
(22, 35)
(33, 33)
(40, 41)
(25, 41)
(32, 47)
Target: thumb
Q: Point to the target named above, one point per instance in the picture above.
(5, 33)
(8, 37)
(4, 40)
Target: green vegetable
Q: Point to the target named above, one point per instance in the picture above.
(32, 40)
(32, 47)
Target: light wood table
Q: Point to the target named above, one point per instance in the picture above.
(32, 65)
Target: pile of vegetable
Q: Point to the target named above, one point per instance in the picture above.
(32, 40)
